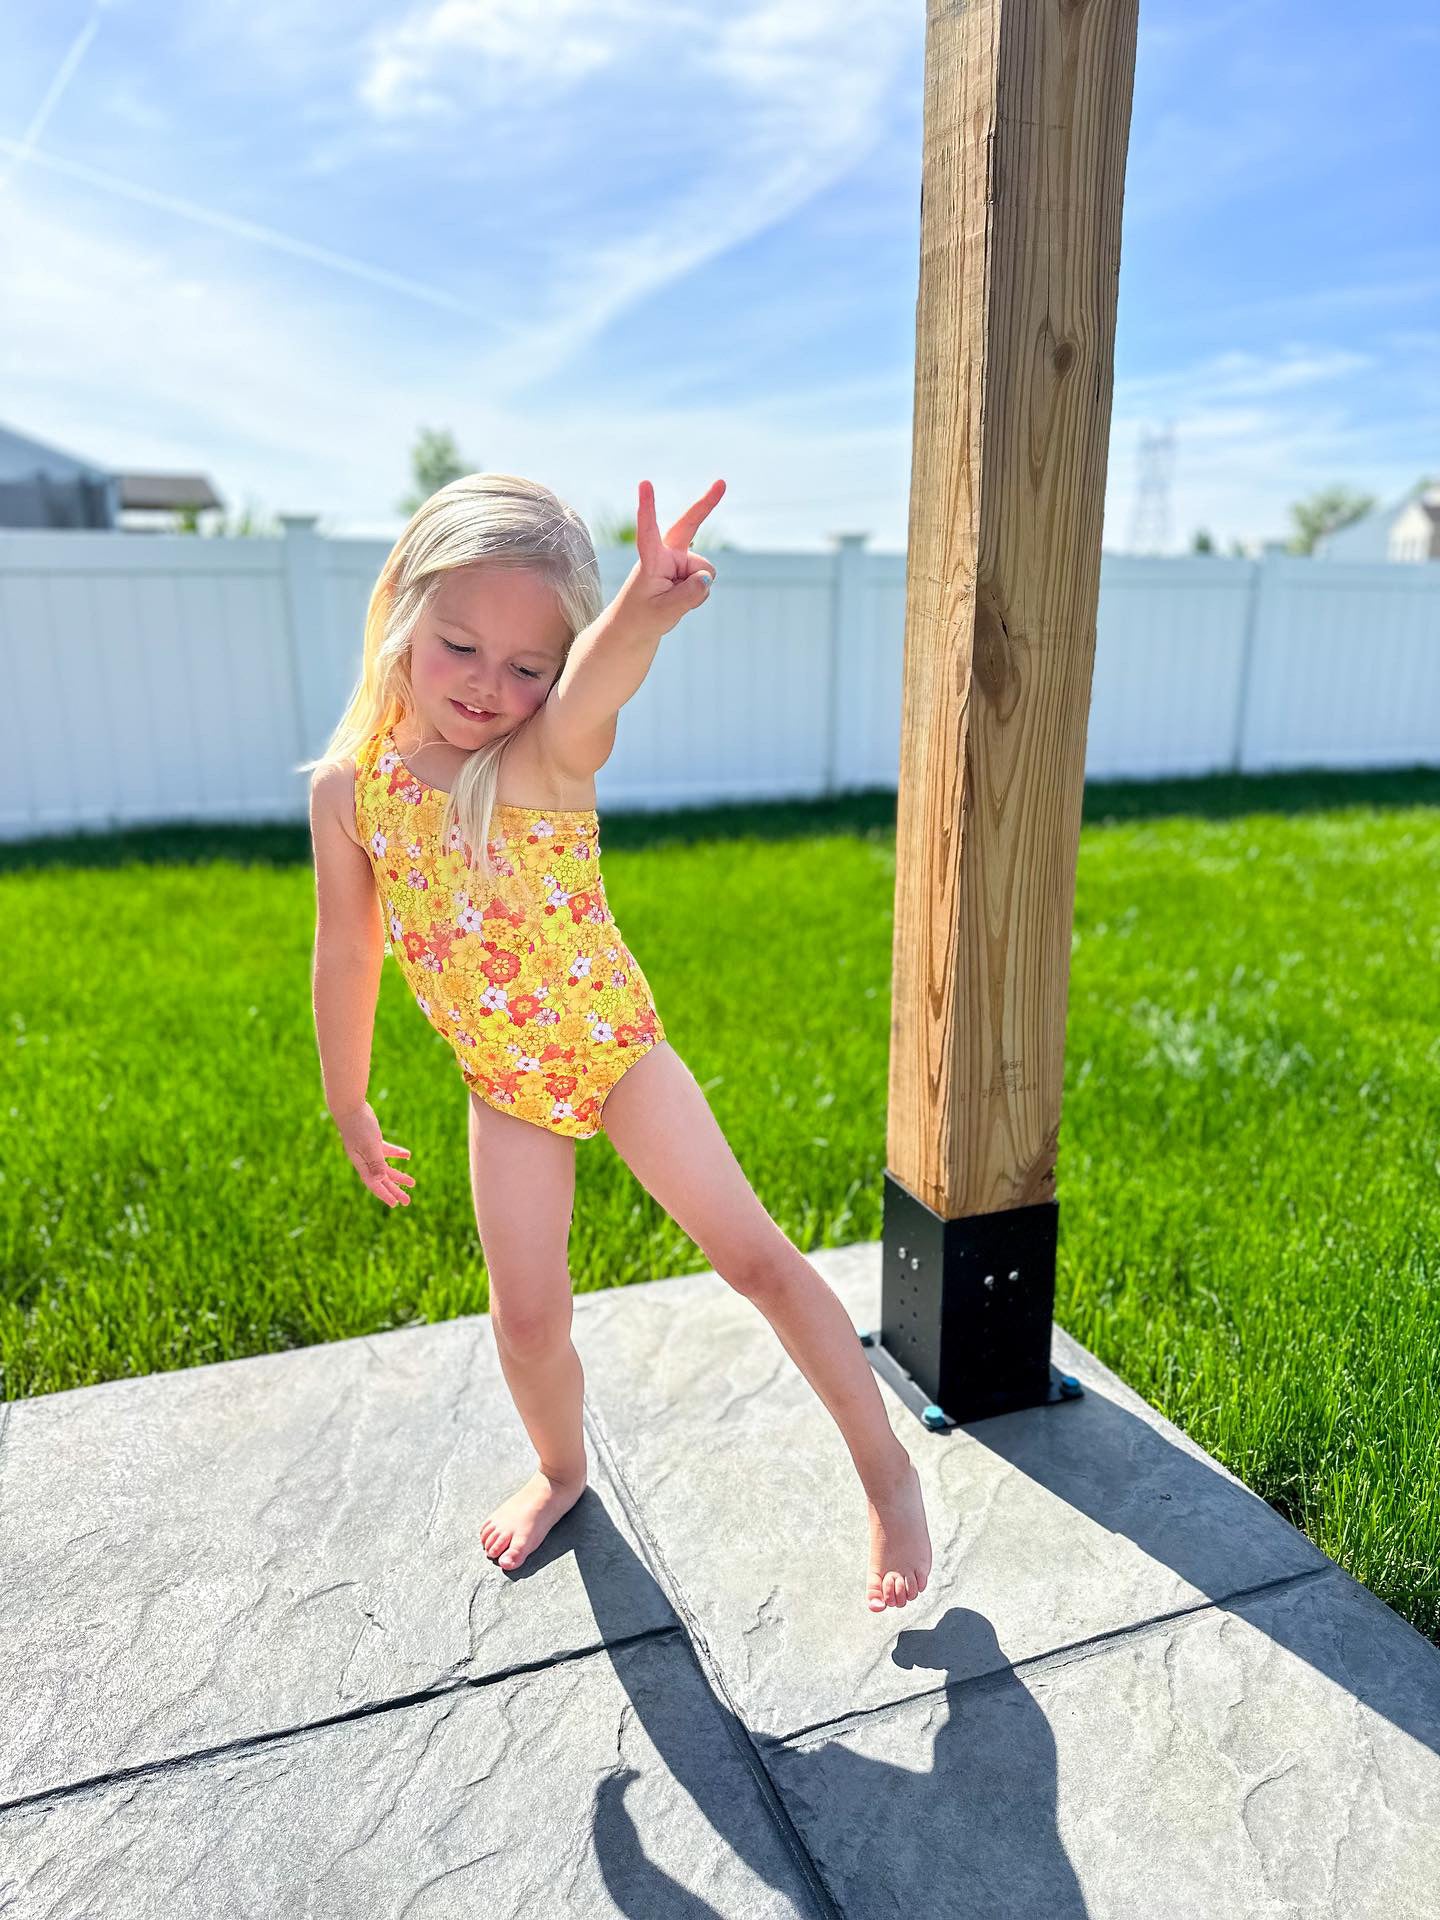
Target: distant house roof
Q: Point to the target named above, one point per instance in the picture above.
(21, 458)
(44, 486)
(1368, 538)
(167, 490)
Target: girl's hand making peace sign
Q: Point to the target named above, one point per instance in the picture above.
(667, 580)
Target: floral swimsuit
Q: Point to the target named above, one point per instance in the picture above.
(526, 976)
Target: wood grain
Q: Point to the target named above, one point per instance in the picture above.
(1027, 116)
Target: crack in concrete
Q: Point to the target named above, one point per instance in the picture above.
(248, 1743)
(1062, 1656)
(742, 1735)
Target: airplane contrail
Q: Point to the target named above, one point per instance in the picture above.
(266, 236)
(22, 148)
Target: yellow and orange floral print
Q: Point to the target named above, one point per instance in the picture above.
(527, 976)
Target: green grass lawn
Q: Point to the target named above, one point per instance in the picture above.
(1249, 1166)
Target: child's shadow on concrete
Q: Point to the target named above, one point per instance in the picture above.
(969, 1831)
(975, 1831)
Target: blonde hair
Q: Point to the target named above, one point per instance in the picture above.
(495, 519)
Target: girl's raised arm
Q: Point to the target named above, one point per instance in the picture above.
(349, 952)
(610, 659)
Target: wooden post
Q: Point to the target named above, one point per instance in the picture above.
(1027, 115)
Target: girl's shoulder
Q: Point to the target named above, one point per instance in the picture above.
(333, 786)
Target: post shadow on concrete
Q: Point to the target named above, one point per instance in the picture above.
(977, 1799)
(1193, 1526)
(1219, 1703)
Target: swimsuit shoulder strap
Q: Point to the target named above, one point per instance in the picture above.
(366, 754)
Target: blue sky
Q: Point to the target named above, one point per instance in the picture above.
(604, 240)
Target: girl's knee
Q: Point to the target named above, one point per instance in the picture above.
(757, 1263)
(534, 1323)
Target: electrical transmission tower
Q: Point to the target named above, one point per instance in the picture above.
(1150, 524)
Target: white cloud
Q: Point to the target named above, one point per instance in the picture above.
(749, 116)
(498, 185)
(436, 60)
(114, 351)
(1238, 372)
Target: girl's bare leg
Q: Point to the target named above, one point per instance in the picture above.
(660, 1122)
(522, 1179)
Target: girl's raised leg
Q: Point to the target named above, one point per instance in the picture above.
(522, 1178)
(661, 1124)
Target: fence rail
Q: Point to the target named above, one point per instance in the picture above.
(165, 677)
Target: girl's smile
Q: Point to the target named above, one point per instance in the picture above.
(502, 628)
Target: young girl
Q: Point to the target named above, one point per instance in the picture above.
(488, 697)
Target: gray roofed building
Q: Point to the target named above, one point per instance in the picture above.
(43, 486)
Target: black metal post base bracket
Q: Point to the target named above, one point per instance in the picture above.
(965, 1311)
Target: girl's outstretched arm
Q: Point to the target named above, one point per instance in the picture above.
(349, 953)
(610, 659)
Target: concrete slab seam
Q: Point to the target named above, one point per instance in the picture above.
(278, 1736)
(1073, 1652)
(742, 1735)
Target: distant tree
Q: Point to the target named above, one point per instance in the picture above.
(249, 524)
(1202, 543)
(1324, 513)
(434, 462)
(621, 533)
(613, 533)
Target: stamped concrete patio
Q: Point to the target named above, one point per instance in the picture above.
(255, 1661)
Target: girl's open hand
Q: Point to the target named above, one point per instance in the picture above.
(360, 1132)
(667, 580)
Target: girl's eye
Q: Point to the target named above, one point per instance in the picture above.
(530, 673)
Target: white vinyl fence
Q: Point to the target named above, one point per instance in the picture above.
(163, 677)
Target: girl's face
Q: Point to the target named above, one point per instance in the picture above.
(492, 639)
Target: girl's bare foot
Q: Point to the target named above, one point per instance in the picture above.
(521, 1522)
(899, 1542)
